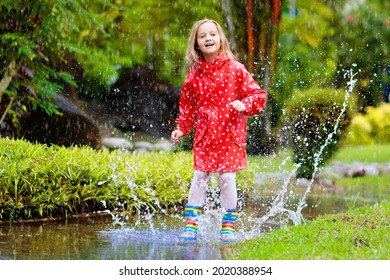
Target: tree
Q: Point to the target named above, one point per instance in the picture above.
(148, 32)
(363, 35)
(259, 50)
(35, 37)
(307, 55)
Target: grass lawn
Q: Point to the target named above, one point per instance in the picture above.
(366, 154)
(361, 233)
(371, 153)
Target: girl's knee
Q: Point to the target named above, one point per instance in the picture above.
(227, 179)
(229, 176)
(200, 175)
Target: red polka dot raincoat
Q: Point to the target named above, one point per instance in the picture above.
(220, 136)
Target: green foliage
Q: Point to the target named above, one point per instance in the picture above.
(306, 56)
(187, 141)
(152, 33)
(363, 33)
(35, 36)
(41, 181)
(368, 153)
(372, 127)
(358, 234)
(312, 117)
(325, 38)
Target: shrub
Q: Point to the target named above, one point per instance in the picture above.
(41, 181)
(372, 127)
(311, 117)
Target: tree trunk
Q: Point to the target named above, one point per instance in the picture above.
(229, 20)
(251, 43)
(261, 140)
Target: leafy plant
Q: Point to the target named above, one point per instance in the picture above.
(35, 37)
(316, 126)
(370, 127)
(40, 181)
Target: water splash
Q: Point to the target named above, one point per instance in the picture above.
(144, 227)
(278, 205)
(317, 156)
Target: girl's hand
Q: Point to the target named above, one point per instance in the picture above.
(176, 134)
(238, 105)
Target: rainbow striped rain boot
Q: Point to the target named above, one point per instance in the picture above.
(190, 232)
(228, 233)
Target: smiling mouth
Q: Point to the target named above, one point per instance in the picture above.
(209, 45)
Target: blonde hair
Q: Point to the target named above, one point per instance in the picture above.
(193, 52)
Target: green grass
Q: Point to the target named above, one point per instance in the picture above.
(276, 163)
(371, 153)
(382, 181)
(362, 233)
(367, 154)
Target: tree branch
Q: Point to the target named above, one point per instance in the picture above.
(7, 78)
(7, 109)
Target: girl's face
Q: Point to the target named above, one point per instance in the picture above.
(208, 41)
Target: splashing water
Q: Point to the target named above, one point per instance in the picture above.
(278, 205)
(144, 229)
(317, 157)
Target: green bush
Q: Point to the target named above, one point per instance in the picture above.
(311, 117)
(372, 127)
(40, 181)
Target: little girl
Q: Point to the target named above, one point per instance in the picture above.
(216, 98)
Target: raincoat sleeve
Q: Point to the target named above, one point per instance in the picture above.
(252, 96)
(187, 107)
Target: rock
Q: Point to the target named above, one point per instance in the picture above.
(327, 182)
(330, 172)
(340, 168)
(356, 170)
(137, 102)
(275, 178)
(384, 168)
(117, 143)
(163, 146)
(371, 170)
(303, 183)
(73, 127)
(143, 145)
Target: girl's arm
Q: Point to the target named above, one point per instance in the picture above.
(253, 97)
(187, 109)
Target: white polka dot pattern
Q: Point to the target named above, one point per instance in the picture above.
(220, 135)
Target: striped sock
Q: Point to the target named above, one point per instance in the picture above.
(191, 229)
(228, 233)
